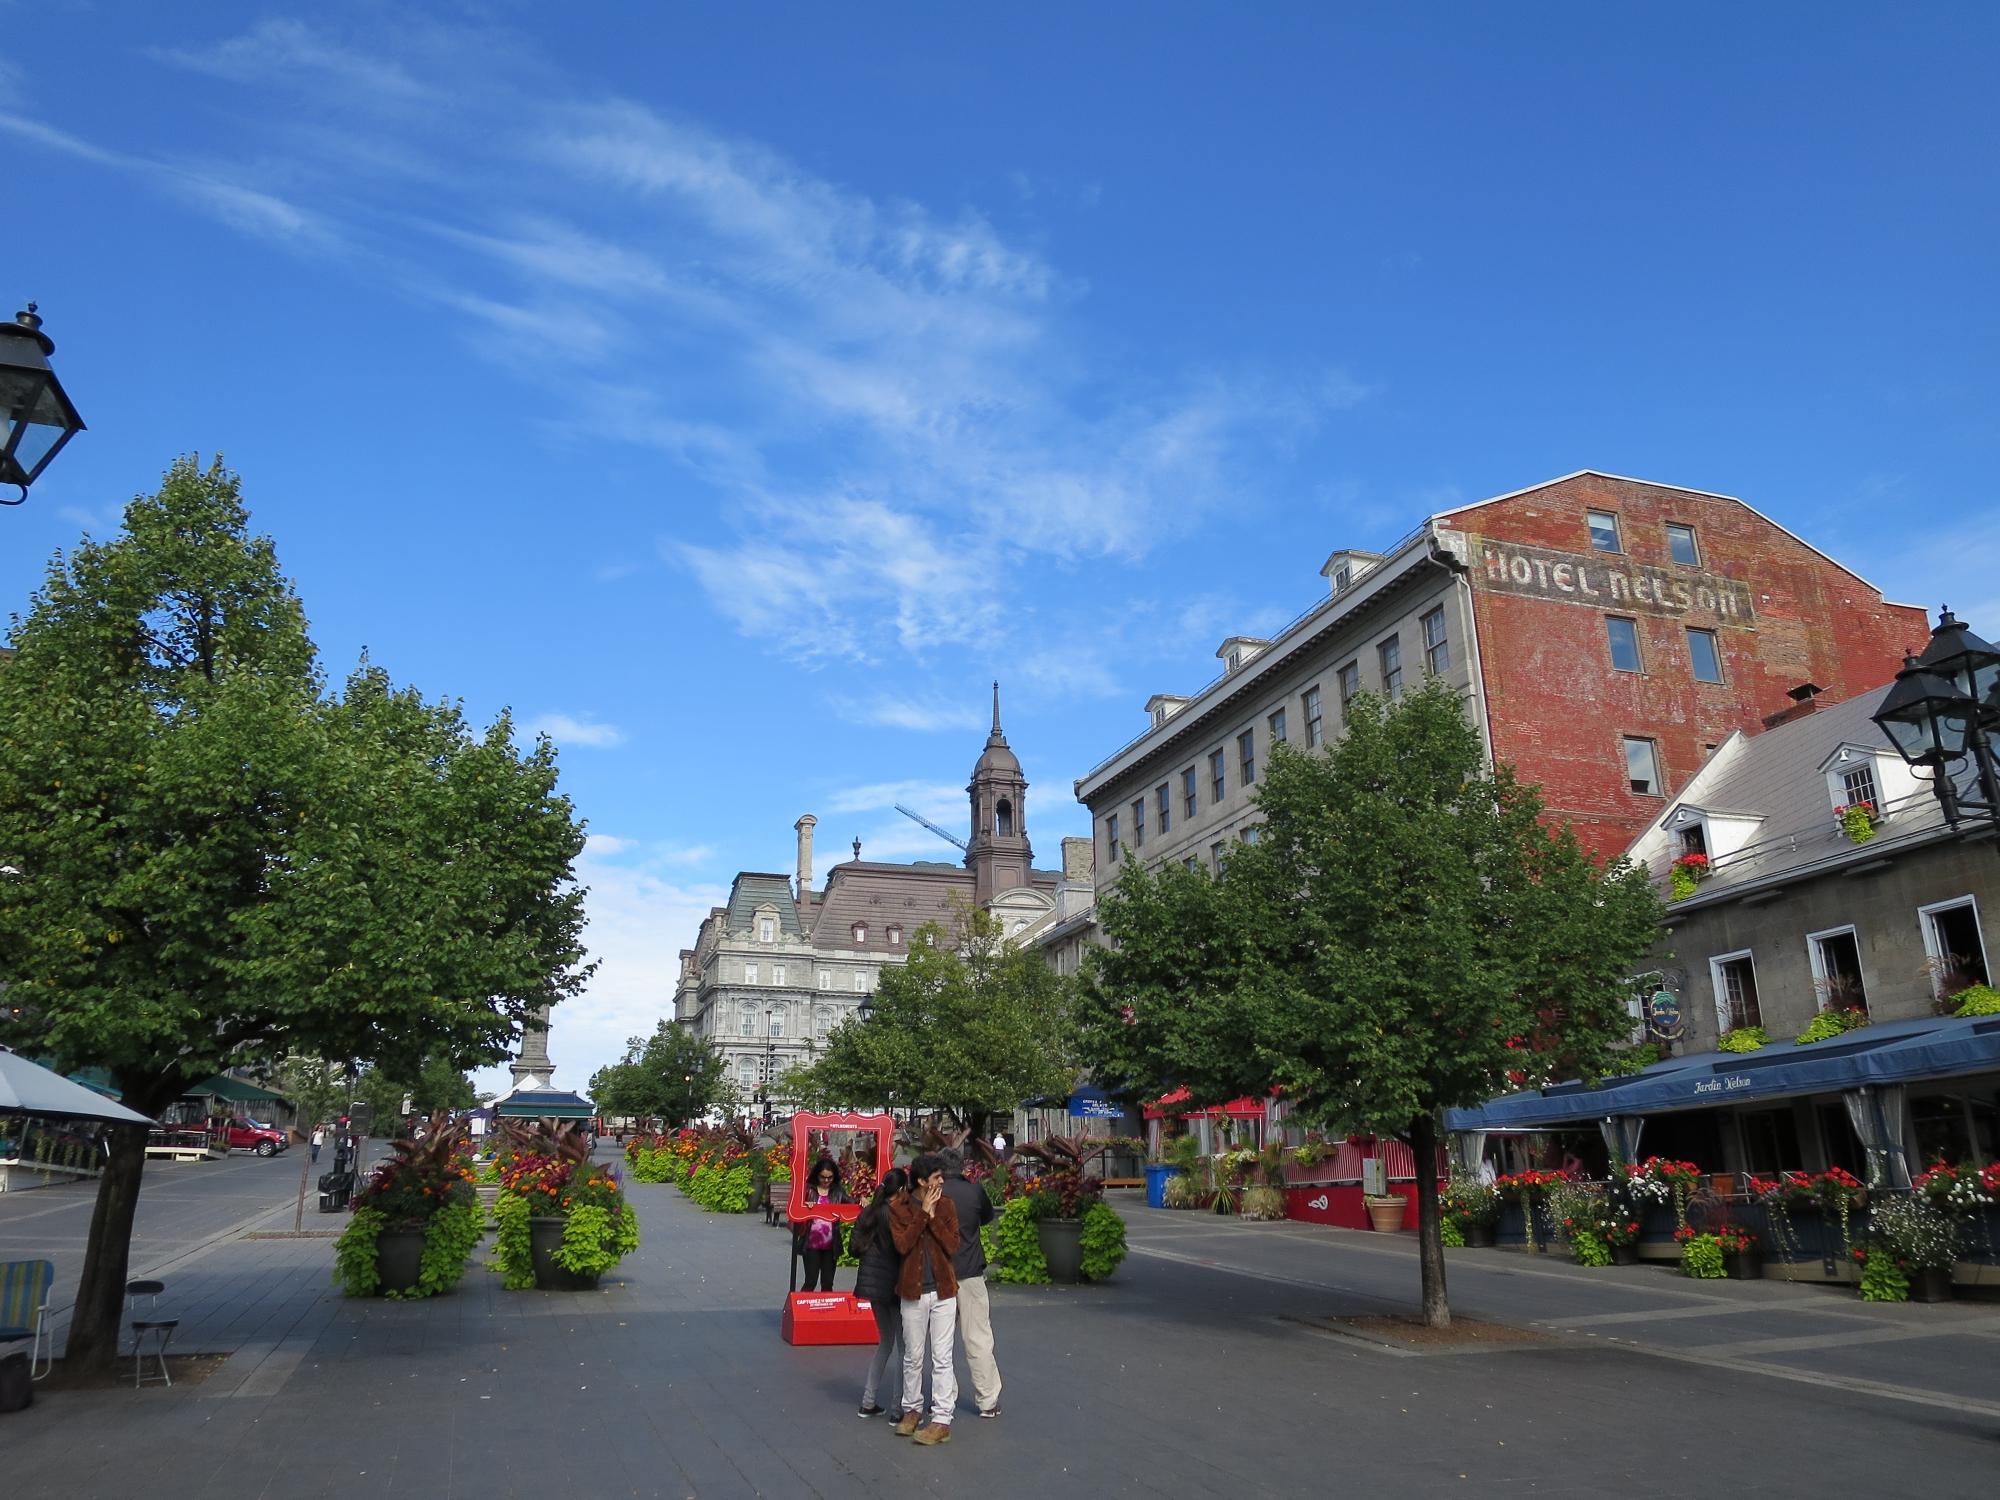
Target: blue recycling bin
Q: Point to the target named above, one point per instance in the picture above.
(1157, 1174)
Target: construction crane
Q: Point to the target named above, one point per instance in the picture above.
(950, 838)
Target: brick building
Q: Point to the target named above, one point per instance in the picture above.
(1608, 633)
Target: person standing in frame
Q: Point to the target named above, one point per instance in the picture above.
(925, 1227)
(876, 1281)
(817, 1241)
(318, 1140)
(975, 1314)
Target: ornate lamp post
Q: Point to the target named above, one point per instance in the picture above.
(1944, 708)
(36, 415)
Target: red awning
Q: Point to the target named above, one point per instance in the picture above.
(1164, 1108)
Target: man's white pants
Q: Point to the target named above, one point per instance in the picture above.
(975, 1326)
(929, 1327)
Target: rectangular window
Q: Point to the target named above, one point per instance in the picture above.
(1252, 834)
(1277, 723)
(1315, 725)
(1437, 650)
(1860, 786)
(826, 979)
(1706, 655)
(1111, 839)
(1246, 756)
(777, 1022)
(777, 973)
(1188, 804)
(1836, 969)
(1350, 685)
(1624, 636)
(1218, 777)
(1215, 853)
(1681, 545)
(1642, 767)
(1139, 823)
(1391, 654)
(1953, 945)
(860, 983)
(1735, 979)
(746, 1071)
(1192, 863)
(1694, 839)
(1166, 804)
(767, 929)
(1604, 531)
(748, 1025)
(749, 973)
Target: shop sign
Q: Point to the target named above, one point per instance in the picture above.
(1610, 581)
(1663, 1015)
(1727, 1085)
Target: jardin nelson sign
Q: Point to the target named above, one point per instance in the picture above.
(1600, 580)
(1727, 1085)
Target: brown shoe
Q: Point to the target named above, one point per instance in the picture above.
(931, 1436)
(908, 1426)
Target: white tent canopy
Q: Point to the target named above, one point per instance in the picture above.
(28, 1088)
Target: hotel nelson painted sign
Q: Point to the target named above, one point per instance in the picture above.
(1612, 582)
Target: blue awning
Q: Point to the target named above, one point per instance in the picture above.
(1890, 1052)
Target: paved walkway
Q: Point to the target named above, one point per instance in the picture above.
(1198, 1371)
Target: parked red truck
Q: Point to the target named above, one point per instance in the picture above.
(249, 1135)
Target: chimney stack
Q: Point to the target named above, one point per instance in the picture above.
(805, 826)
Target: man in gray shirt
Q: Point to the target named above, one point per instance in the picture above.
(975, 1314)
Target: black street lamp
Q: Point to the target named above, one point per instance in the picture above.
(1944, 707)
(36, 416)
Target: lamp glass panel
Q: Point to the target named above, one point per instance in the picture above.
(1912, 741)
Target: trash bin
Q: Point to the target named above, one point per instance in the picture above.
(1157, 1174)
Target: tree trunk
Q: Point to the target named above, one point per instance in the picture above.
(94, 1323)
(1430, 1242)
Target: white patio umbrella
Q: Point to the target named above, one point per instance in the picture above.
(28, 1088)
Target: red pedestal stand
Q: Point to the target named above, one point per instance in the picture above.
(828, 1318)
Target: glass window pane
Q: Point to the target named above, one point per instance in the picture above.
(1681, 543)
(1624, 635)
(1642, 767)
(1604, 531)
(1705, 655)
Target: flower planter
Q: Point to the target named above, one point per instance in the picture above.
(1743, 1265)
(545, 1237)
(399, 1258)
(1624, 1255)
(1385, 1215)
(1062, 1247)
(1932, 1285)
(1477, 1236)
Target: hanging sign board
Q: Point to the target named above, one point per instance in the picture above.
(1663, 1015)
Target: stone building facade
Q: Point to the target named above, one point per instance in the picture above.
(1608, 634)
(777, 968)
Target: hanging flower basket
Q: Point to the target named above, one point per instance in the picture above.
(1686, 874)
(1857, 820)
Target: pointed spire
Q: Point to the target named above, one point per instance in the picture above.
(996, 705)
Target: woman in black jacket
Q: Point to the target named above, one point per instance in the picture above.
(876, 1280)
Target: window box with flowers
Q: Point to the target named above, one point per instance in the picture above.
(1858, 821)
(1805, 1212)
(1531, 1189)
(1686, 874)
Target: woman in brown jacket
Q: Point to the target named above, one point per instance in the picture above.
(925, 1228)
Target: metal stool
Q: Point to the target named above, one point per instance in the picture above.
(161, 1329)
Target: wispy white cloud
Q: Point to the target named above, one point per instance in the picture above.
(566, 730)
(277, 49)
(923, 715)
(935, 800)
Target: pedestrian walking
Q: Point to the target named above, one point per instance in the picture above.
(925, 1227)
(318, 1140)
(876, 1281)
(817, 1241)
(975, 1315)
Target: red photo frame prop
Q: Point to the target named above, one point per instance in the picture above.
(882, 1127)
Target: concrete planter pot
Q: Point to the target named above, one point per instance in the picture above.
(1743, 1265)
(1478, 1236)
(1062, 1247)
(399, 1255)
(1931, 1286)
(1624, 1255)
(545, 1237)
(1385, 1215)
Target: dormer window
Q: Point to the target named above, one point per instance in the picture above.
(1342, 577)
(895, 937)
(1692, 839)
(1860, 778)
(860, 932)
(1859, 784)
(767, 929)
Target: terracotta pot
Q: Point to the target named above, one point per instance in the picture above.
(1062, 1247)
(1386, 1214)
(545, 1237)
(1931, 1286)
(399, 1257)
(1478, 1236)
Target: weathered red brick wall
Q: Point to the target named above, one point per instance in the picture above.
(1782, 614)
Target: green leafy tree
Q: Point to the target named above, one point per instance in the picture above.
(969, 1024)
(434, 1085)
(318, 1089)
(216, 862)
(1406, 936)
(672, 1075)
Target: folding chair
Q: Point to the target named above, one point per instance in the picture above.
(24, 1310)
(160, 1330)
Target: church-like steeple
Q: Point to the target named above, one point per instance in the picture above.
(998, 853)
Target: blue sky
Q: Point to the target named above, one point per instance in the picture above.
(735, 390)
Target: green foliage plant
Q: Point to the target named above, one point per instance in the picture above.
(1743, 1039)
(1013, 1248)
(450, 1237)
(354, 1254)
(1450, 1235)
(1405, 937)
(1829, 1024)
(1102, 1241)
(1857, 821)
(1883, 1279)
(513, 1253)
(1977, 1000)
(1182, 1192)
(1262, 1202)
(223, 862)
(1701, 1255)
